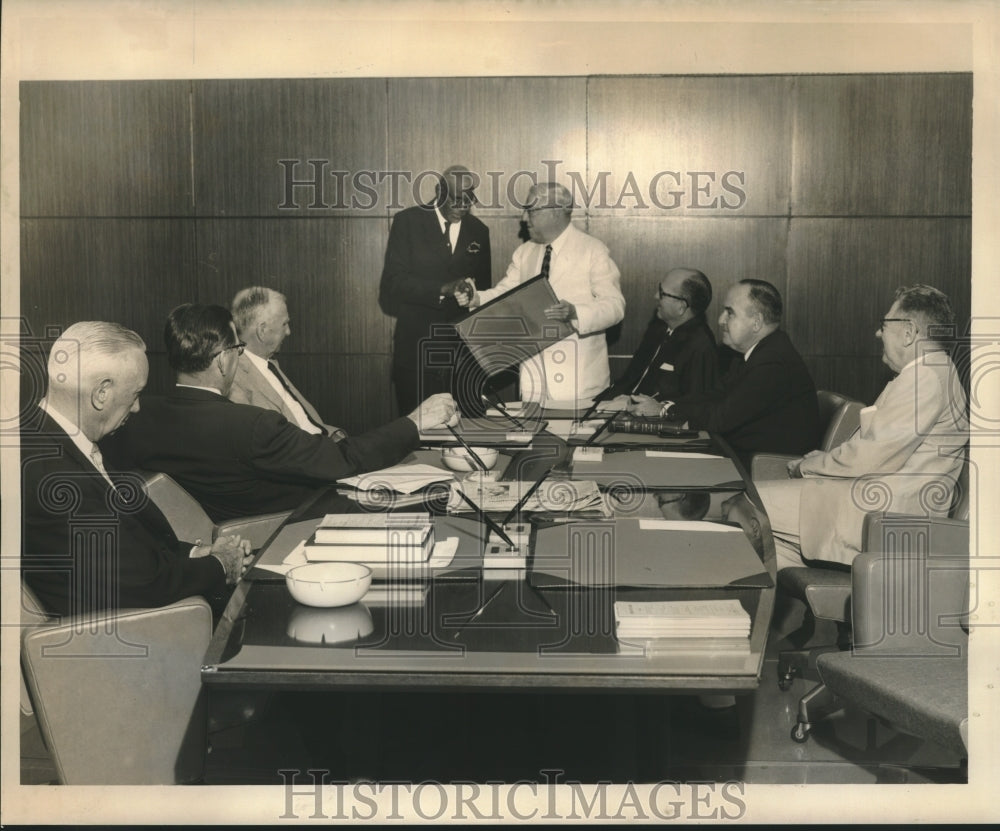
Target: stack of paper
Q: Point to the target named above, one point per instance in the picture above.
(395, 486)
(560, 495)
(709, 625)
(372, 538)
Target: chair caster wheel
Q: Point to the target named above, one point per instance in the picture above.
(800, 732)
(785, 682)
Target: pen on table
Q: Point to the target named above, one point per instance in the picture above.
(602, 428)
(486, 518)
(524, 499)
(505, 412)
(472, 453)
(481, 609)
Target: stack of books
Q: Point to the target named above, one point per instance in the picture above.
(710, 626)
(372, 539)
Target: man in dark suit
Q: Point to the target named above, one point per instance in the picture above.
(235, 459)
(433, 249)
(262, 323)
(91, 541)
(677, 355)
(766, 402)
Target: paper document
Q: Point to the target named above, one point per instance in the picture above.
(399, 478)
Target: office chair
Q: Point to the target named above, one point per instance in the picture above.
(826, 591)
(190, 522)
(909, 608)
(118, 695)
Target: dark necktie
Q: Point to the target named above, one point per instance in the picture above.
(546, 260)
(271, 365)
(447, 234)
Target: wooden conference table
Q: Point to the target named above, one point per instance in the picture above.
(549, 627)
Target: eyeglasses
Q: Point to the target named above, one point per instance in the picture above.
(544, 208)
(661, 294)
(886, 320)
(239, 347)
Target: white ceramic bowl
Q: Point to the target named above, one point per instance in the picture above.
(457, 458)
(328, 626)
(328, 584)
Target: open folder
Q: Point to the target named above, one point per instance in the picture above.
(512, 327)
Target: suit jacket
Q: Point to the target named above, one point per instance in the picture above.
(251, 387)
(905, 458)
(417, 263)
(238, 460)
(765, 404)
(85, 546)
(683, 362)
(582, 272)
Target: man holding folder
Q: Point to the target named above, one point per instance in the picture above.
(587, 285)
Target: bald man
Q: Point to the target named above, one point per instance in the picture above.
(432, 250)
(128, 557)
(677, 355)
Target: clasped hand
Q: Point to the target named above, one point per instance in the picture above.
(235, 554)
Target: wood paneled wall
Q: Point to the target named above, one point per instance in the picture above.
(136, 196)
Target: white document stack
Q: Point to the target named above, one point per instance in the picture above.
(668, 626)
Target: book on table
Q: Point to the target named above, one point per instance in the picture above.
(710, 625)
(372, 538)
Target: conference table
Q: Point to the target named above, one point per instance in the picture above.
(548, 627)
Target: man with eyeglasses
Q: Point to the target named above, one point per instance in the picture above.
(905, 457)
(432, 251)
(677, 354)
(235, 459)
(766, 400)
(587, 284)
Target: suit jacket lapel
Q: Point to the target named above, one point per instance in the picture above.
(261, 387)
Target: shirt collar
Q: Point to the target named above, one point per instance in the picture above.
(196, 387)
(559, 241)
(442, 220)
(83, 444)
(256, 360)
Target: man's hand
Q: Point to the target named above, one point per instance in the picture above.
(619, 402)
(563, 310)
(437, 411)
(235, 555)
(643, 405)
(794, 467)
(462, 290)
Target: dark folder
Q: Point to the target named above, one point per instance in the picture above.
(512, 327)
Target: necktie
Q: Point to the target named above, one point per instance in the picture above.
(447, 234)
(546, 260)
(271, 365)
(98, 460)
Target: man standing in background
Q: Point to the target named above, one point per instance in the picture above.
(432, 250)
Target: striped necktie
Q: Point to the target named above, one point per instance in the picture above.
(546, 260)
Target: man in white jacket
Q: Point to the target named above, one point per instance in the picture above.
(586, 282)
(904, 458)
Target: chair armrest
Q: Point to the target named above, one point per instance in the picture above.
(830, 602)
(909, 603)
(257, 529)
(769, 466)
(118, 695)
(890, 532)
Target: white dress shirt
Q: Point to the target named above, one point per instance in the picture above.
(301, 419)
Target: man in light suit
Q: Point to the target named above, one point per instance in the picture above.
(905, 457)
(92, 540)
(587, 284)
(261, 318)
